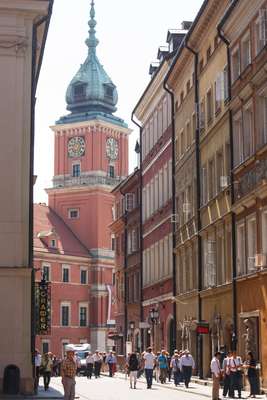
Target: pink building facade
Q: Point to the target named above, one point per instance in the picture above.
(91, 158)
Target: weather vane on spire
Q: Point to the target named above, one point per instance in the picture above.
(92, 41)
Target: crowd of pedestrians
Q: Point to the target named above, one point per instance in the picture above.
(227, 371)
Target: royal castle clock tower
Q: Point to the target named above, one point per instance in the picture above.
(91, 157)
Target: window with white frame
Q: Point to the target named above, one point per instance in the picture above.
(156, 192)
(220, 257)
(264, 230)
(53, 243)
(83, 314)
(225, 83)
(261, 114)
(188, 134)
(218, 92)
(182, 143)
(65, 273)
(165, 114)
(152, 263)
(245, 51)
(134, 240)
(165, 183)
(73, 213)
(130, 201)
(235, 57)
(219, 170)
(76, 170)
(204, 185)
(211, 179)
(152, 197)
(209, 105)
(194, 124)
(83, 275)
(46, 271)
(248, 129)
(65, 314)
(251, 242)
(260, 30)
(152, 136)
(170, 178)
(157, 261)
(238, 139)
(160, 188)
(170, 255)
(202, 115)
(166, 257)
(241, 248)
(161, 258)
(160, 121)
(144, 268)
(210, 262)
(155, 126)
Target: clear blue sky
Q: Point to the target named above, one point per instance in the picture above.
(129, 31)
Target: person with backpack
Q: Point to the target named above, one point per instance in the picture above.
(133, 367)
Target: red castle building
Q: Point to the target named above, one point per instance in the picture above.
(72, 240)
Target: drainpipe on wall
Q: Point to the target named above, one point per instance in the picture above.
(140, 230)
(198, 194)
(34, 79)
(173, 212)
(233, 217)
(125, 275)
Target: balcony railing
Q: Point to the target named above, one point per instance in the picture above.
(86, 180)
(250, 180)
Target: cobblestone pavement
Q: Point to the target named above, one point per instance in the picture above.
(117, 388)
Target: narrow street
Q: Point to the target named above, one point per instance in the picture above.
(107, 388)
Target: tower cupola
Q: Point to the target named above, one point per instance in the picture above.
(91, 91)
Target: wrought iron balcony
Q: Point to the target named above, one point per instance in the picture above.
(251, 179)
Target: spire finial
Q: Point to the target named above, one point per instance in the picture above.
(92, 41)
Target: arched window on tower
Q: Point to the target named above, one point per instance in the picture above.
(108, 91)
(79, 91)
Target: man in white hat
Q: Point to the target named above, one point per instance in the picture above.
(187, 365)
(68, 373)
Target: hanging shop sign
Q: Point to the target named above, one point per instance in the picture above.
(43, 309)
(202, 328)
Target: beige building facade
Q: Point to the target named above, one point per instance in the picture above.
(23, 29)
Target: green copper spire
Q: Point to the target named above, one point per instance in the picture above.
(92, 41)
(91, 90)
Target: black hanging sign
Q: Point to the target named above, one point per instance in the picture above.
(43, 301)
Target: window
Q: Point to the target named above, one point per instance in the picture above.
(204, 185)
(188, 134)
(248, 130)
(209, 255)
(53, 243)
(261, 115)
(219, 170)
(264, 230)
(260, 30)
(45, 346)
(109, 91)
(211, 176)
(202, 115)
(182, 139)
(83, 276)
(79, 91)
(46, 272)
(130, 201)
(218, 93)
(113, 241)
(220, 258)
(155, 126)
(111, 171)
(83, 315)
(65, 315)
(73, 213)
(193, 127)
(65, 273)
(241, 248)
(160, 121)
(209, 106)
(251, 243)
(225, 83)
(235, 64)
(76, 170)
(188, 86)
(238, 139)
(245, 51)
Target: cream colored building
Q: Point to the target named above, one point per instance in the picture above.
(23, 29)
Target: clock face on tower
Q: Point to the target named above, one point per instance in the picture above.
(76, 146)
(112, 148)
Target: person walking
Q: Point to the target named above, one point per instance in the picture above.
(149, 360)
(187, 366)
(46, 366)
(97, 363)
(235, 365)
(37, 363)
(68, 373)
(133, 367)
(156, 367)
(176, 368)
(226, 374)
(251, 366)
(163, 366)
(89, 365)
(215, 368)
(111, 361)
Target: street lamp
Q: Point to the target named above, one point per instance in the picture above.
(154, 317)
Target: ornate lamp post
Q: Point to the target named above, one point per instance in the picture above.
(154, 318)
